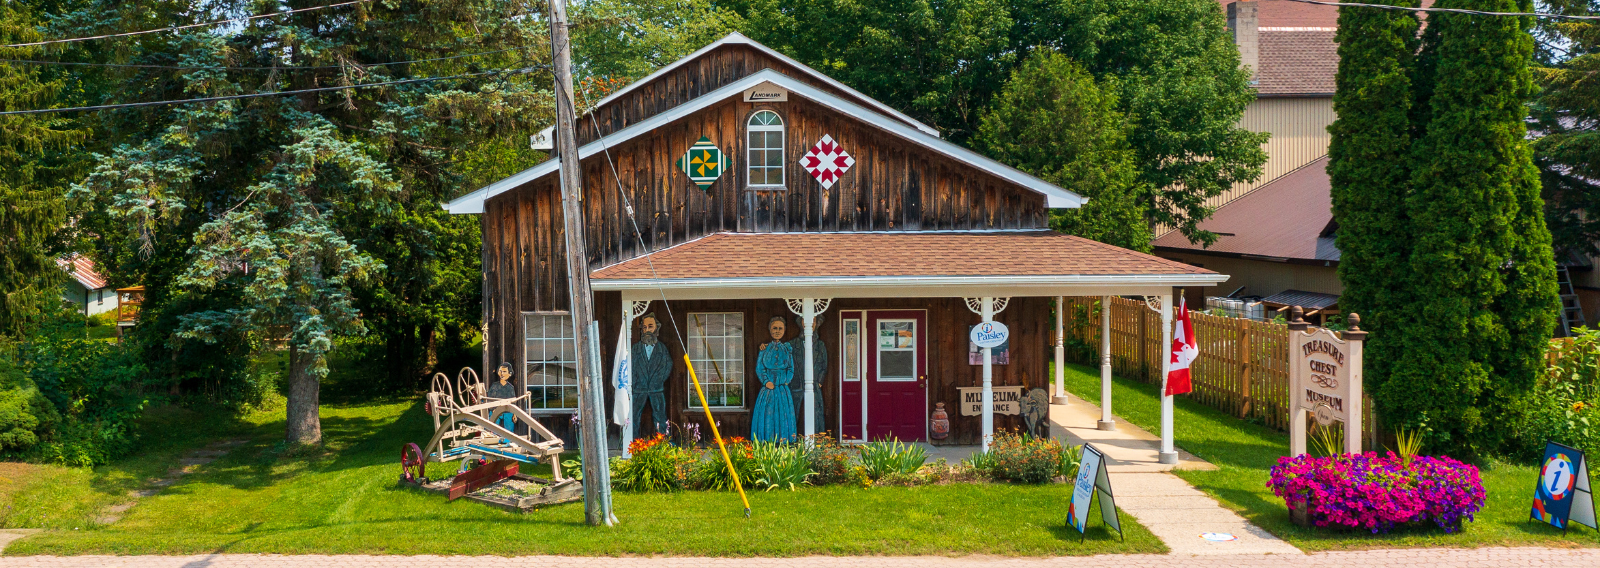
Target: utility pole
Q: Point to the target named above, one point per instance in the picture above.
(592, 444)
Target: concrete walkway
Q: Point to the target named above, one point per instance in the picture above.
(1176, 512)
(1407, 558)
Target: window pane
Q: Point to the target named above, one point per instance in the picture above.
(718, 356)
(897, 364)
(551, 355)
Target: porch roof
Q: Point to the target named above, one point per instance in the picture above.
(897, 264)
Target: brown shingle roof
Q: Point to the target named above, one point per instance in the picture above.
(1282, 219)
(788, 255)
(1297, 61)
(82, 269)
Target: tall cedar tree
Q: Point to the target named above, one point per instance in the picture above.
(32, 209)
(315, 218)
(1368, 166)
(1052, 121)
(1483, 296)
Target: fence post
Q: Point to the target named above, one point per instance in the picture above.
(1244, 367)
(1144, 362)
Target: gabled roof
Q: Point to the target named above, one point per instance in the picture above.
(1289, 218)
(82, 270)
(737, 38)
(1055, 197)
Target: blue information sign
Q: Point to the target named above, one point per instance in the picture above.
(1562, 495)
(1092, 480)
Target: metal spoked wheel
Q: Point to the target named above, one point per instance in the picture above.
(445, 394)
(469, 386)
(413, 466)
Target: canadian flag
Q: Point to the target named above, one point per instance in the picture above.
(1184, 352)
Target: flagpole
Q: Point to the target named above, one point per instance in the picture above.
(1168, 455)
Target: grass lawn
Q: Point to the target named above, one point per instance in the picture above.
(1246, 451)
(344, 499)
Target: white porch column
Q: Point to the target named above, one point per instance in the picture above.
(1107, 422)
(1168, 455)
(809, 309)
(988, 379)
(1061, 354)
(987, 307)
(631, 309)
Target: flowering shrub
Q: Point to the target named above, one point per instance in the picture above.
(1376, 492)
(655, 466)
(829, 460)
(1020, 457)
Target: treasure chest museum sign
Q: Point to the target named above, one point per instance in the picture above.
(1325, 380)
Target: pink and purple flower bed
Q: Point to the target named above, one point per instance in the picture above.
(1375, 493)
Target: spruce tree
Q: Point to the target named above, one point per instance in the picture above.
(1482, 295)
(1368, 166)
(31, 206)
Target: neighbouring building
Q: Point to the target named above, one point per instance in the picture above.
(87, 290)
(1275, 235)
(765, 191)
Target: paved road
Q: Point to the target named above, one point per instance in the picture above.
(1440, 557)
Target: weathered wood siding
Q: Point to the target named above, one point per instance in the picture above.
(688, 82)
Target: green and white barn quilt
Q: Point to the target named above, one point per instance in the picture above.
(704, 163)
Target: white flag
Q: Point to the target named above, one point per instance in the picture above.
(622, 380)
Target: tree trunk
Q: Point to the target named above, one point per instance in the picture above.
(303, 424)
(430, 352)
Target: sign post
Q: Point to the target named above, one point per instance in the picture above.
(1324, 380)
(1092, 480)
(1562, 495)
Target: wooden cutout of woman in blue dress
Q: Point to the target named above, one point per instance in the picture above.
(773, 419)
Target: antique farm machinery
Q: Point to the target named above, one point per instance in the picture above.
(481, 433)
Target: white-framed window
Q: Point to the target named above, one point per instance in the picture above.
(897, 350)
(716, 347)
(551, 352)
(764, 132)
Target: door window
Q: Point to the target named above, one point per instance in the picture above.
(897, 350)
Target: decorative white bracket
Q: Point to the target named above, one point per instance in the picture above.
(1153, 302)
(798, 305)
(976, 305)
(636, 308)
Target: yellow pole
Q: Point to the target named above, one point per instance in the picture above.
(718, 435)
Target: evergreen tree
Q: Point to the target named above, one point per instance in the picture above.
(315, 218)
(32, 209)
(1482, 287)
(1052, 121)
(1368, 167)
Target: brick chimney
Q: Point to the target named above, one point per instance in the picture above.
(1245, 26)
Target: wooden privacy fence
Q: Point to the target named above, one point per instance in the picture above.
(1243, 368)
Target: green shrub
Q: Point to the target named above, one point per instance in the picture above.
(1565, 404)
(712, 472)
(830, 461)
(781, 465)
(1022, 458)
(25, 413)
(655, 466)
(884, 457)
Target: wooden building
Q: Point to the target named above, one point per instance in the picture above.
(898, 249)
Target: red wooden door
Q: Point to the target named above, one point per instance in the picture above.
(853, 340)
(897, 385)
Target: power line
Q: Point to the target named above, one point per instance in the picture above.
(221, 67)
(523, 70)
(1447, 10)
(186, 26)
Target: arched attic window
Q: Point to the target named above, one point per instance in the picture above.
(764, 133)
